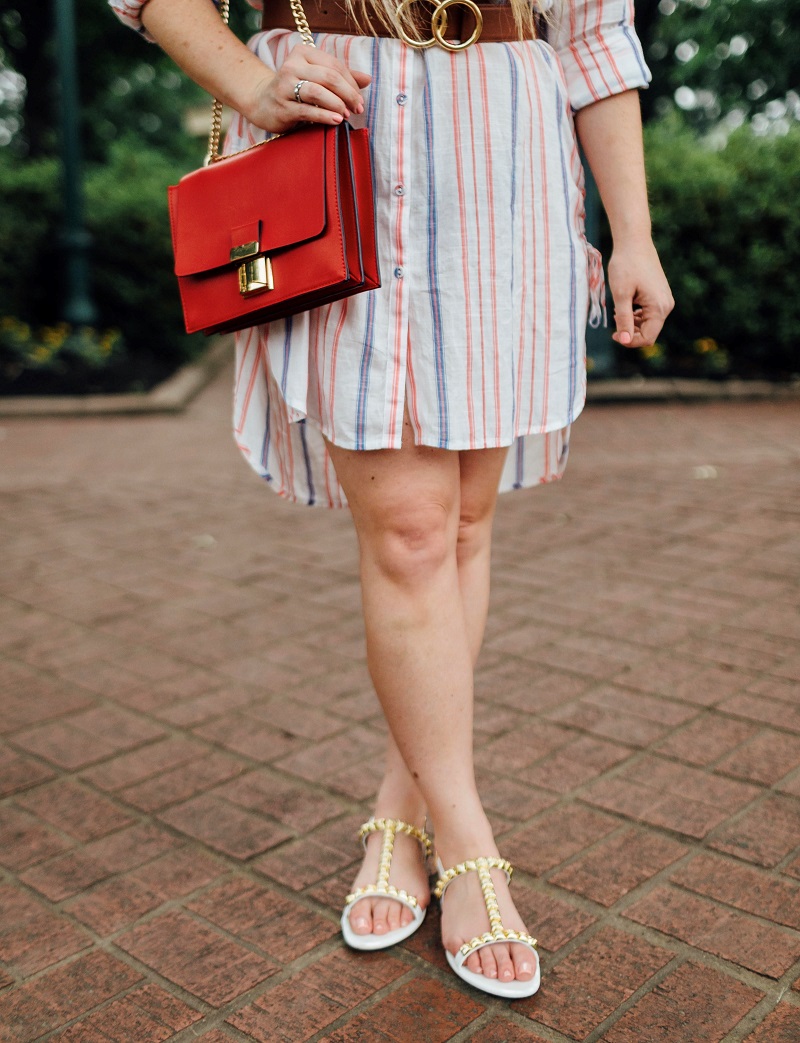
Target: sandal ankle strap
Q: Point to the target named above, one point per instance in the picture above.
(392, 826)
(472, 865)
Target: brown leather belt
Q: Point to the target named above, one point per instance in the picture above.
(435, 21)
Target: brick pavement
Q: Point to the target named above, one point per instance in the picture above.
(189, 740)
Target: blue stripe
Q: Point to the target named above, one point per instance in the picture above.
(368, 342)
(633, 41)
(265, 445)
(301, 426)
(433, 269)
(519, 474)
(626, 26)
(287, 350)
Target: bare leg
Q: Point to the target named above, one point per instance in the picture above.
(407, 509)
(399, 796)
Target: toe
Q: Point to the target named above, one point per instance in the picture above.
(361, 917)
(393, 916)
(489, 963)
(473, 963)
(505, 965)
(524, 962)
(380, 916)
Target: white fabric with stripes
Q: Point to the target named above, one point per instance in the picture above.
(487, 278)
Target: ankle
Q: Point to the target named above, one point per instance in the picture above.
(406, 807)
(456, 844)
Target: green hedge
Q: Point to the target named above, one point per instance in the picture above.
(132, 280)
(727, 226)
(726, 222)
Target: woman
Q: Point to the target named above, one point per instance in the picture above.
(406, 400)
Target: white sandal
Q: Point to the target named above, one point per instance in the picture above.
(498, 934)
(382, 888)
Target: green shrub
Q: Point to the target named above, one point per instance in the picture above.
(726, 222)
(727, 226)
(133, 284)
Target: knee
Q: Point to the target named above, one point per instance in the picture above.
(415, 543)
(474, 534)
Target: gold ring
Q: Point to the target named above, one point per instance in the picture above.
(439, 24)
(420, 45)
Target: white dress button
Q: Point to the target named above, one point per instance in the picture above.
(398, 273)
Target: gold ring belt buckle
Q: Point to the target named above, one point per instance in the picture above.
(439, 25)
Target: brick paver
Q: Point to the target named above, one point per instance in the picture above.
(189, 740)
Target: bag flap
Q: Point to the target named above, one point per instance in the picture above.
(259, 201)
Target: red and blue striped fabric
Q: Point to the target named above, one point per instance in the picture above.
(488, 279)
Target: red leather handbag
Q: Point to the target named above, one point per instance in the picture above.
(275, 229)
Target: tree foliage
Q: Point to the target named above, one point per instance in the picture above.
(728, 233)
(126, 85)
(723, 60)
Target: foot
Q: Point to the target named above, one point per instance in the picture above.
(408, 873)
(464, 917)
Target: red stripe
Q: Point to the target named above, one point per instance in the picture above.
(487, 122)
(456, 117)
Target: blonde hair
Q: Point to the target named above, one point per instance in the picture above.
(384, 13)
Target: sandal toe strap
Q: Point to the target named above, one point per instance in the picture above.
(497, 933)
(384, 891)
(494, 938)
(390, 827)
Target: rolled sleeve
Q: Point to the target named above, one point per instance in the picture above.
(599, 49)
(129, 13)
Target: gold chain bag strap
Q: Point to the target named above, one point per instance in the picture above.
(277, 228)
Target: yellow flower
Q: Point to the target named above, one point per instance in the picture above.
(652, 351)
(705, 345)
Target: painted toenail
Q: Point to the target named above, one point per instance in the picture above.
(526, 968)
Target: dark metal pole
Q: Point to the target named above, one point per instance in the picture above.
(599, 345)
(78, 308)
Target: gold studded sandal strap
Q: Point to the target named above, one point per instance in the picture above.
(391, 826)
(473, 865)
(497, 932)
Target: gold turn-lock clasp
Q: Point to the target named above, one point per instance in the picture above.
(255, 273)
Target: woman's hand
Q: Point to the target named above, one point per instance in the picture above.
(331, 91)
(611, 134)
(194, 35)
(642, 297)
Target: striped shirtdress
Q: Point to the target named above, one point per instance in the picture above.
(487, 277)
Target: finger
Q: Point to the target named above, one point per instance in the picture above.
(623, 317)
(341, 86)
(649, 331)
(294, 114)
(315, 95)
(320, 60)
